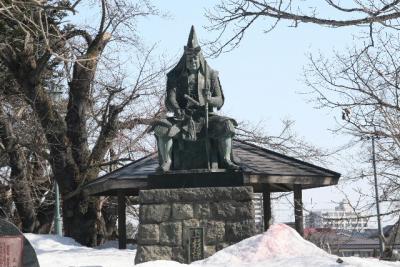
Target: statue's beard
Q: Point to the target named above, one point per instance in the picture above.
(192, 67)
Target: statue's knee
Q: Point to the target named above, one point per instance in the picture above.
(228, 129)
(161, 131)
(222, 129)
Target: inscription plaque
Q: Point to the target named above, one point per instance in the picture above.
(11, 248)
(196, 244)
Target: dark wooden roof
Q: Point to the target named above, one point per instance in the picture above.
(259, 166)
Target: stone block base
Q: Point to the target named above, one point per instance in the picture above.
(225, 215)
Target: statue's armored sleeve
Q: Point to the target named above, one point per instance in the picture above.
(170, 100)
(217, 98)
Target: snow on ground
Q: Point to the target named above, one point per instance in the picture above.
(56, 251)
(280, 246)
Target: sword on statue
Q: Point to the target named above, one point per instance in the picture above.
(207, 95)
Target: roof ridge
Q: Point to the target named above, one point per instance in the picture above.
(123, 167)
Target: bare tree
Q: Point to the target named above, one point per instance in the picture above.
(37, 46)
(286, 141)
(232, 18)
(362, 82)
(27, 185)
(362, 85)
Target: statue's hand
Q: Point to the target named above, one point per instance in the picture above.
(207, 95)
(208, 98)
(179, 113)
(211, 101)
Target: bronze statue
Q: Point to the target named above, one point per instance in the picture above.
(193, 91)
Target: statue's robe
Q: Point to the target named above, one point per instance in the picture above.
(192, 127)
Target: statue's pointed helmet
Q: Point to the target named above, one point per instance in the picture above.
(192, 48)
(192, 43)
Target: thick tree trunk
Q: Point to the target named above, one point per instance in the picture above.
(45, 217)
(82, 215)
(71, 163)
(110, 219)
(21, 190)
(80, 219)
(24, 204)
(6, 202)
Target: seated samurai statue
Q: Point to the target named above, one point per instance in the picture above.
(193, 91)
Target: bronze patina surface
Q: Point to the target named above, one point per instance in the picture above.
(195, 137)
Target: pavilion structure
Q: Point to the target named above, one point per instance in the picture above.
(264, 170)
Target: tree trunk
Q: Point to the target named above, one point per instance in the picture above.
(20, 187)
(6, 202)
(45, 217)
(80, 220)
(69, 158)
(82, 214)
(110, 218)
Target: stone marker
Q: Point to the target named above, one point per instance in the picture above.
(15, 249)
(11, 249)
(196, 244)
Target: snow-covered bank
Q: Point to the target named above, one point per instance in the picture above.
(281, 246)
(55, 251)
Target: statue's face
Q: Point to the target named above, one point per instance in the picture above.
(192, 61)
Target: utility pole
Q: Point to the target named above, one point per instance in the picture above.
(378, 213)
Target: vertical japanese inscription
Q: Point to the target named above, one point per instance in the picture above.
(11, 249)
(196, 244)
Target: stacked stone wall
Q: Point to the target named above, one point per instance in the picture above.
(225, 213)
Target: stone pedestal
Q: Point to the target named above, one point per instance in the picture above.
(225, 215)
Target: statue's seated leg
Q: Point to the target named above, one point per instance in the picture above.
(223, 130)
(225, 150)
(164, 144)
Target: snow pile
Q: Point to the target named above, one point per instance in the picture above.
(280, 242)
(56, 251)
(280, 246)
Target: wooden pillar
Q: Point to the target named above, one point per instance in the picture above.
(121, 221)
(266, 194)
(298, 209)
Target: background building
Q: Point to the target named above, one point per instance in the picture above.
(342, 217)
(258, 212)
